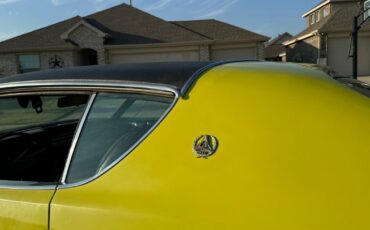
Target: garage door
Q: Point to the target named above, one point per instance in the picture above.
(233, 53)
(153, 57)
(338, 50)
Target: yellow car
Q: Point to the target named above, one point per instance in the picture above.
(226, 145)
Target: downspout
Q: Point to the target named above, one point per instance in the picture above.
(323, 48)
(319, 49)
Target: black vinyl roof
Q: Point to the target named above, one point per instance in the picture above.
(175, 74)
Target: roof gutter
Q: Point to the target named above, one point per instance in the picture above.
(164, 44)
(176, 44)
(316, 8)
(38, 49)
(303, 37)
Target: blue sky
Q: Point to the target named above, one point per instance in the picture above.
(268, 17)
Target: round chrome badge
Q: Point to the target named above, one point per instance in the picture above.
(205, 146)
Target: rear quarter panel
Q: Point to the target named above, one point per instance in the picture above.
(24, 209)
(293, 154)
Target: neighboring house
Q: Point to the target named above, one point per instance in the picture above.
(274, 49)
(327, 37)
(124, 34)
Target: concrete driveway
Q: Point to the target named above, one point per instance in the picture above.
(365, 79)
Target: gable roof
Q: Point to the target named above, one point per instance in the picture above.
(340, 21)
(83, 22)
(44, 38)
(126, 25)
(274, 48)
(311, 30)
(129, 25)
(278, 40)
(324, 3)
(220, 31)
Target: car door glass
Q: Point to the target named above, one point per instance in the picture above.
(116, 122)
(36, 132)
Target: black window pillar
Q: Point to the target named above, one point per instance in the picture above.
(355, 48)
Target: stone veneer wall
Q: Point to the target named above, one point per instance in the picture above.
(85, 38)
(8, 64)
(68, 57)
(259, 51)
(306, 51)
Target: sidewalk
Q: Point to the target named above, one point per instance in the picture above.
(364, 79)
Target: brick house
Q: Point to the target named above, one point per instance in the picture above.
(124, 34)
(327, 37)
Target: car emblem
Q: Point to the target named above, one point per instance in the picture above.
(205, 146)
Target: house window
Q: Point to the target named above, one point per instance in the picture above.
(312, 21)
(318, 16)
(366, 9)
(326, 11)
(29, 63)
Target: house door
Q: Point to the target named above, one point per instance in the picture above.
(88, 57)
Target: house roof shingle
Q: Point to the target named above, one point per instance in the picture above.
(280, 38)
(313, 28)
(128, 25)
(325, 2)
(47, 37)
(220, 31)
(342, 21)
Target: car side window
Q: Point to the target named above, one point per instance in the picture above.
(36, 133)
(115, 123)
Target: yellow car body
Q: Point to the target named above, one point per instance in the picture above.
(293, 153)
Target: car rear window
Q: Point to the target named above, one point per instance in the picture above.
(114, 125)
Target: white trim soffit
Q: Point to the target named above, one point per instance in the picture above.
(315, 8)
(289, 42)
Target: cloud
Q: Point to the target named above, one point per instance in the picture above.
(198, 9)
(189, 2)
(57, 2)
(3, 2)
(10, 13)
(103, 4)
(158, 5)
(217, 9)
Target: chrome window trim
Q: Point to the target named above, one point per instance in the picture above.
(65, 185)
(29, 185)
(76, 138)
(84, 86)
(89, 85)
